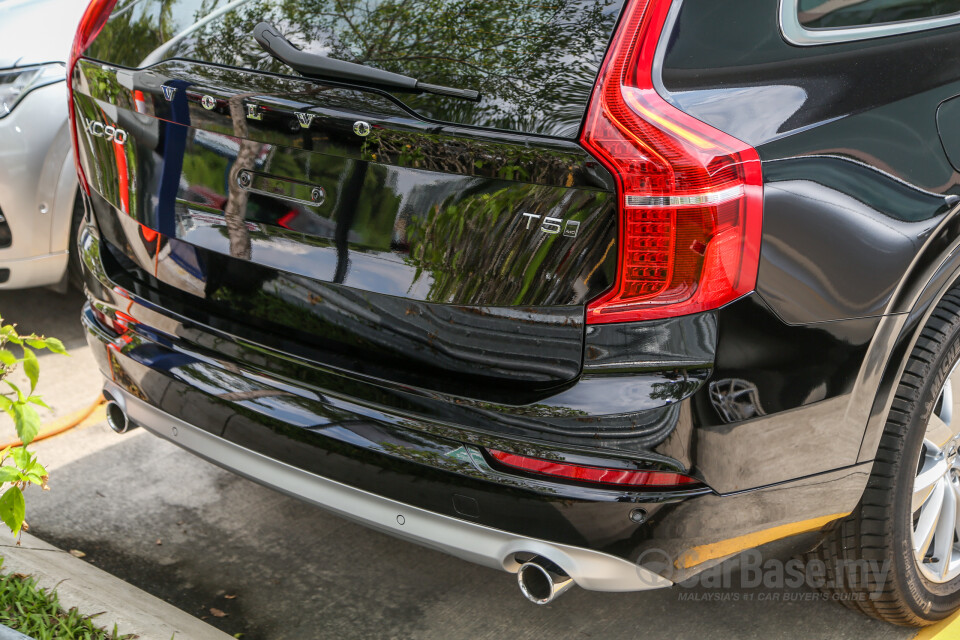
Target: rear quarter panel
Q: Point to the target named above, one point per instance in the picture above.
(859, 213)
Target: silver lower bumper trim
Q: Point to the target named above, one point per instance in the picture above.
(483, 545)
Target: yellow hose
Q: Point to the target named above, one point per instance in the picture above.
(61, 424)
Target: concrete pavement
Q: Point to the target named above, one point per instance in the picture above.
(66, 383)
(112, 603)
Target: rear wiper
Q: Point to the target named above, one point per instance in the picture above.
(320, 67)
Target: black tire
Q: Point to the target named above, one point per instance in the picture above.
(74, 269)
(880, 528)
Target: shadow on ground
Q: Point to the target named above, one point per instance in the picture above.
(45, 312)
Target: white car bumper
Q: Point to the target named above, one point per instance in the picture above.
(37, 188)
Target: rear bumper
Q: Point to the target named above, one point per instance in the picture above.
(470, 541)
(349, 444)
(330, 450)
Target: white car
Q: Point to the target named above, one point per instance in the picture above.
(38, 183)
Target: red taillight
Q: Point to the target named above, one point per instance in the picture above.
(690, 197)
(90, 25)
(595, 475)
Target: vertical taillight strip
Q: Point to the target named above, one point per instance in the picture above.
(690, 197)
(90, 25)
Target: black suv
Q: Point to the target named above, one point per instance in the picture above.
(592, 291)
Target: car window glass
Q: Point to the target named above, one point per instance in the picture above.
(826, 14)
(534, 62)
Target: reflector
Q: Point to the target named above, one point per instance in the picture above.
(596, 475)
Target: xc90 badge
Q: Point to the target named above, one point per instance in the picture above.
(108, 131)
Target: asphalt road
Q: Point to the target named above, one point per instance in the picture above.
(192, 534)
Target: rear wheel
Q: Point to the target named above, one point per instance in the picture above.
(897, 556)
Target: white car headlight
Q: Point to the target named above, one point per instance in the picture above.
(17, 83)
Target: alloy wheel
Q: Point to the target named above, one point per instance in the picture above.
(936, 489)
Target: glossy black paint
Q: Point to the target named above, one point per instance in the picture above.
(860, 216)
(404, 230)
(309, 334)
(580, 412)
(393, 195)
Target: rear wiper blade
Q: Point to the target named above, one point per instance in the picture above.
(320, 67)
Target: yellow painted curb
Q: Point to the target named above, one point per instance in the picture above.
(946, 628)
(724, 548)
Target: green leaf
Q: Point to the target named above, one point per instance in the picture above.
(31, 367)
(56, 346)
(36, 343)
(34, 478)
(13, 509)
(7, 358)
(20, 397)
(27, 422)
(10, 334)
(37, 400)
(21, 457)
(5, 403)
(9, 474)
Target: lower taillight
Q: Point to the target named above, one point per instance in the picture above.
(690, 197)
(623, 478)
(90, 25)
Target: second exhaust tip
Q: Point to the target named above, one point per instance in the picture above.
(542, 581)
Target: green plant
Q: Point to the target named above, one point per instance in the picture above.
(37, 613)
(19, 467)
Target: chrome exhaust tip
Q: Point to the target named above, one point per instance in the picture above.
(542, 581)
(116, 418)
(116, 415)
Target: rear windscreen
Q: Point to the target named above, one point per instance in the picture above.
(533, 61)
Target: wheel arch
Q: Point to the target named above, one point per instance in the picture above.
(934, 272)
